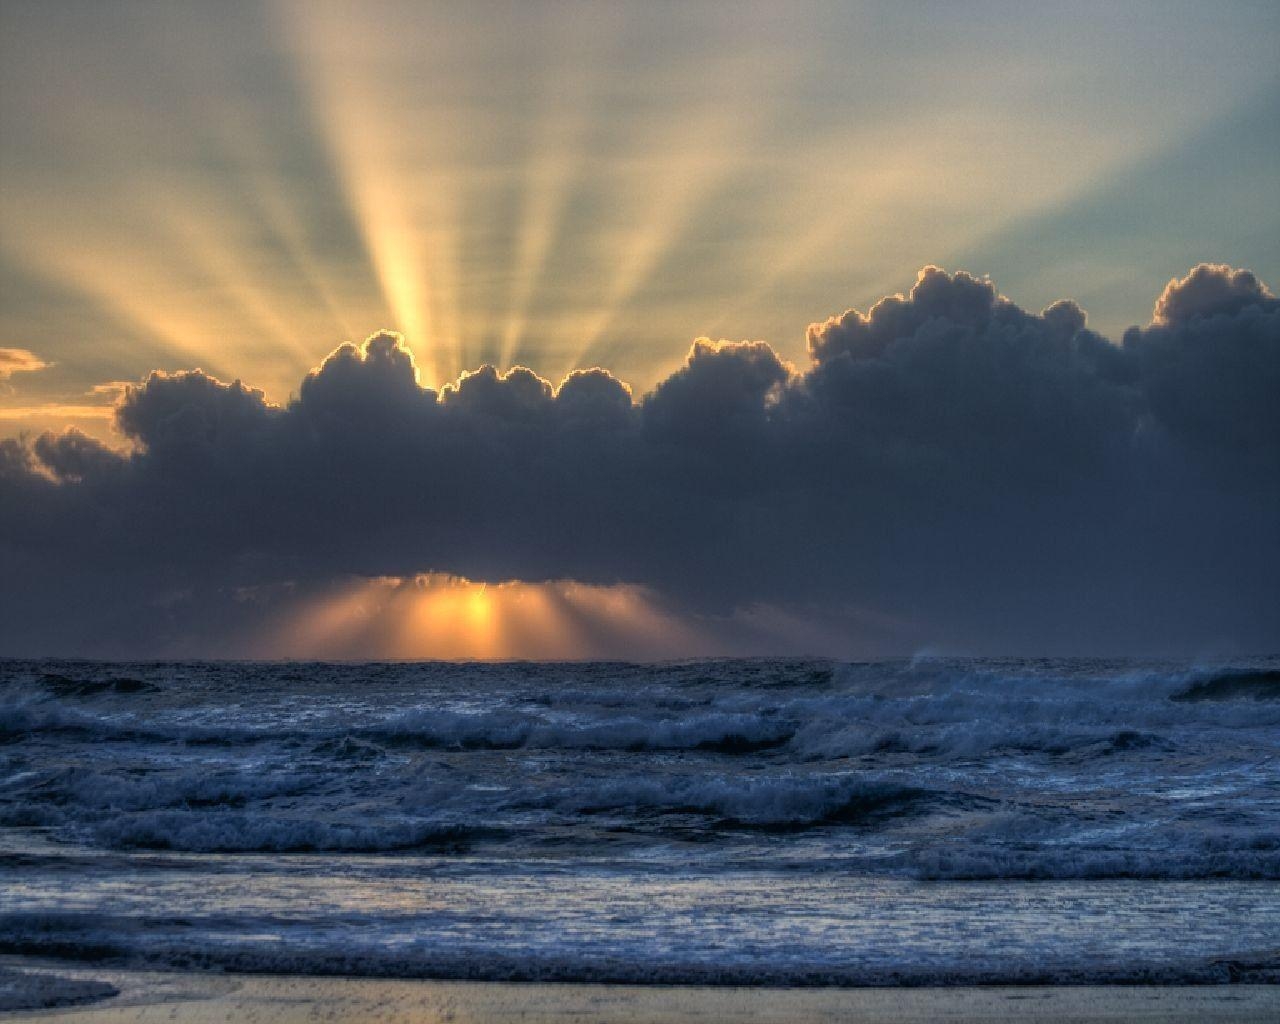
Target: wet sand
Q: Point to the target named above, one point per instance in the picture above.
(189, 998)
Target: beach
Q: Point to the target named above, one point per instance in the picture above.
(196, 998)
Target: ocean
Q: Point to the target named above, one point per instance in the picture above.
(758, 822)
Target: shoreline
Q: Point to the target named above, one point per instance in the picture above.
(474, 967)
(191, 997)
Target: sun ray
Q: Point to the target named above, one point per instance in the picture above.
(276, 208)
(681, 163)
(392, 151)
(558, 156)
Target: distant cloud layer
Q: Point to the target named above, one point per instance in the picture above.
(955, 469)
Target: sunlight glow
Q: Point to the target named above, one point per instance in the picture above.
(438, 616)
(394, 165)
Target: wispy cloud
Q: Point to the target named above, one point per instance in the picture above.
(56, 411)
(19, 360)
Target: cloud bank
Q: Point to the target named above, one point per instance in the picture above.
(957, 470)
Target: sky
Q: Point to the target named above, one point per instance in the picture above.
(261, 192)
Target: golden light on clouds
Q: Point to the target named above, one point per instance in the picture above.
(438, 616)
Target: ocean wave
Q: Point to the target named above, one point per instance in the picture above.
(785, 802)
(234, 832)
(723, 733)
(857, 710)
(1127, 682)
(26, 715)
(193, 812)
(169, 944)
(1233, 685)
(727, 733)
(66, 686)
(984, 863)
(87, 790)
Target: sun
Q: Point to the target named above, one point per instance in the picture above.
(451, 618)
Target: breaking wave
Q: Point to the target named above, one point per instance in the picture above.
(1232, 685)
(237, 832)
(169, 942)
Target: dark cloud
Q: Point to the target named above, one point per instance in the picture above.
(357, 382)
(1210, 363)
(180, 414)
(950, 467)
(72, 456)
